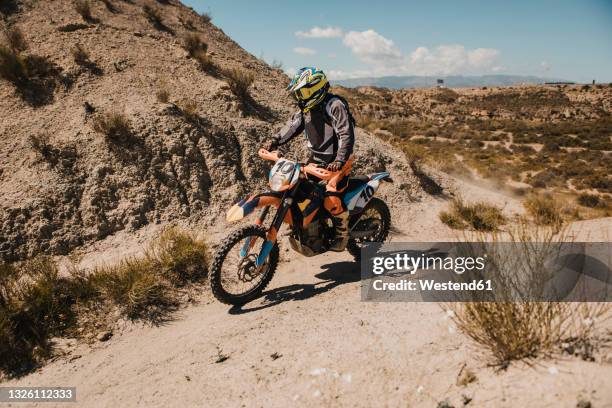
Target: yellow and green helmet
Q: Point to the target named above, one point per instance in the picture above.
(309, 87)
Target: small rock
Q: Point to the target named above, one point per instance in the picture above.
(105, 336)
(466, 399)
(275, 356)
(583, 404)
(188, 378)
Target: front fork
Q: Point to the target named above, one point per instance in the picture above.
(267, 246)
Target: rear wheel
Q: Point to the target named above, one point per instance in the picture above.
(376, 218)
(234, 277)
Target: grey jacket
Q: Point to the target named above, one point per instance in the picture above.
(328, 128)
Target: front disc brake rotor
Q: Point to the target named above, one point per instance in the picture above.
(248, 269)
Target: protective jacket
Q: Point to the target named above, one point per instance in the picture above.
(328, 127)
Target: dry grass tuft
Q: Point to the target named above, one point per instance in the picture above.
(136, 288)
(590, 200)
(206, 17)
(181, 257)
(197, 50)
(115, 126)
(40, 144)
(163, 93)
(479, 216)
(239, 82)
(543, 210)
(80, 55)
(13, 66)
(110, 6)
(83, 7)
(37, 304)
(516, 326)
(15, 39)
(189, 109)
(153, 15)
(193, 44)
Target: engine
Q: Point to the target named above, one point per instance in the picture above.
(311, 240)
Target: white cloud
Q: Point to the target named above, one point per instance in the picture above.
(371, 47)
(451, 59)
(304, 51)
(384, 58)
(319, 32)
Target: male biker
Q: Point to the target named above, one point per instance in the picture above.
(326, 120)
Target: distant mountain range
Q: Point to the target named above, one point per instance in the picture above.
(398, 82)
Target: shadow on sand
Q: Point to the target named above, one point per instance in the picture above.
(333, 275)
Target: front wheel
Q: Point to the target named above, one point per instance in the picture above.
(375, 222)
(235, 279)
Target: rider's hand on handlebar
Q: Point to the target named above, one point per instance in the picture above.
(271, 145)
(335, 166)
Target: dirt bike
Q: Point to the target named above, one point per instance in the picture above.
(247, 259)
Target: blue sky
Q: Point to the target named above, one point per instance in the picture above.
(562, 39)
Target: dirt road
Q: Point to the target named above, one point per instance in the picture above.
(311, 341)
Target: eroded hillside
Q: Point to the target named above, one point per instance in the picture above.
(62, 183)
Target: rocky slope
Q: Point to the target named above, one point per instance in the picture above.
(81, 186)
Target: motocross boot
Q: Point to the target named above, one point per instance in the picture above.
(341, 223)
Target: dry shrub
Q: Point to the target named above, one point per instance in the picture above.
(414, 154)
(239, 82)
(479, 216)
(15, 39)
(181, 257)
(80, 55)
(189, 109)
(13, 66)
(153, 15)
(589, 200)
(206, 17)
(83, 7)
(451, 219)
(115, 126)
(136, 288)
(40, 144)
(110, 6)
(543, 210)
(194, 44)
(516, 326)
(204, 60)
(197, 50)
(163, 93)
(37, 304)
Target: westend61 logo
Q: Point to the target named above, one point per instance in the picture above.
(486, 271)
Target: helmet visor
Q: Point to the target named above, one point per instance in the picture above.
(303, 94)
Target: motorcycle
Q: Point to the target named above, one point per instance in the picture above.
(246, 260)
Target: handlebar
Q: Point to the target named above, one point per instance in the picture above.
(309, 168)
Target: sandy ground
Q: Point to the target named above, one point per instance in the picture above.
(311, 341)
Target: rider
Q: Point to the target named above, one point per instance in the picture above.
(329, 127)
